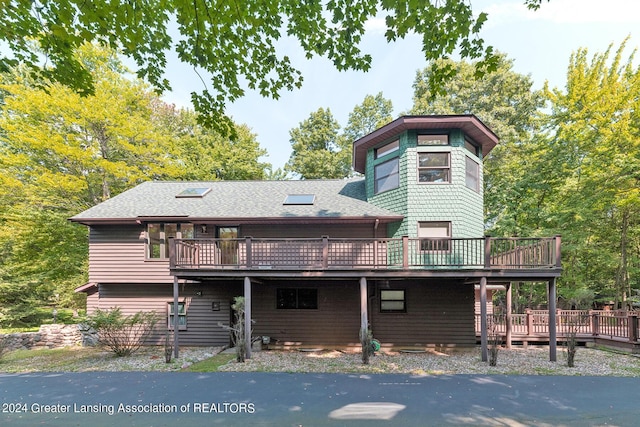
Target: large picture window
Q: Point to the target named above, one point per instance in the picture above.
(297, 298)
(387, 175)
(393, 301)
(434, 167)
(434, 236)
(158, 236)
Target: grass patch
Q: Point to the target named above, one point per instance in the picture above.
(19, 330)
(45, 360)
(211, 364)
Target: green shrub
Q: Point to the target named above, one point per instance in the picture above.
(123, 335)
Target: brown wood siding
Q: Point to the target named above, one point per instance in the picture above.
(336, 322)
(117, 255)
(437, 313)
(355, 231)
(202, 323)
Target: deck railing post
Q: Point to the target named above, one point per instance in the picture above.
(595, 324)
(558, 239)
(530, 329)
(487, 252)
(632, 322)
(405, 252)
(248, 241)
(172, 252)
(325, 251)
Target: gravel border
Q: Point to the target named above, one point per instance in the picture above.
(515, 361)
(533, 360)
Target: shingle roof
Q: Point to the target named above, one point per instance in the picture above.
(240, 200)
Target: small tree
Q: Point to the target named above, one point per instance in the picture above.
(366, 340)
(123, 335)
(495, 340)
(237, 329)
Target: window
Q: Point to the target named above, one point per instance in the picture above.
(158, 236)
(472, 178)
(194, 192)
(297, 298)
(386, 176)
(433, 139)
(434, 167)
(392, 301)
(182, 316)
(299, 199)
(470, 146)
(387, 149)
(434, 236)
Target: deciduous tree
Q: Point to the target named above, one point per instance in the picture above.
(233, 43)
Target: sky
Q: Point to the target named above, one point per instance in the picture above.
(539, 42)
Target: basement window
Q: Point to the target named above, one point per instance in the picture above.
(393, 301)
(182, 316)
(299, 199)
(297, 298)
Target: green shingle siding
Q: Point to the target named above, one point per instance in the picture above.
(453, 201)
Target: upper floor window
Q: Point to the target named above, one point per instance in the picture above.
(433, 139)
(472, 178)
(435, 236)
(470, 146)
(158, 236)
(387, 149)
(387, 175)
(434, 167)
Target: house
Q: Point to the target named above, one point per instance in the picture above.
(399, 251)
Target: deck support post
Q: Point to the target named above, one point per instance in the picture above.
(247, 317)
(176, 320)
(364, 314)
(507, 319)
(483, 319)
(551, 295)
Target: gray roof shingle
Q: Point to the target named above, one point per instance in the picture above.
(239, 200)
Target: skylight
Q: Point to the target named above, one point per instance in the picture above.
(194, 192)
(299, 199)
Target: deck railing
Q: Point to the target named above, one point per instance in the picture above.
(332, 253)
(534, 324)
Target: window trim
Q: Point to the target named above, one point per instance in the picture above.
(475, 188)
(386, 149)
(445, 168)
(182, 307)
(437, 140)
(438, 244)
(377, 178)
(298, 305)
(404, 301)
(163, 239)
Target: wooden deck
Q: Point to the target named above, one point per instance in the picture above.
(325, 254)
(612, 328)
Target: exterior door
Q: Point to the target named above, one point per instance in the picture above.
(228, 244)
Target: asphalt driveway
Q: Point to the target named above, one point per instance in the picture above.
(268, 399)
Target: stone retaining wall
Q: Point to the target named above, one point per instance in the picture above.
(49, 336)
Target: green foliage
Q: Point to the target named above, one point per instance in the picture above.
(321, 151)
(318, 151)
(233, 42)
(122, 334)
(61, 153)
(594, 144)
